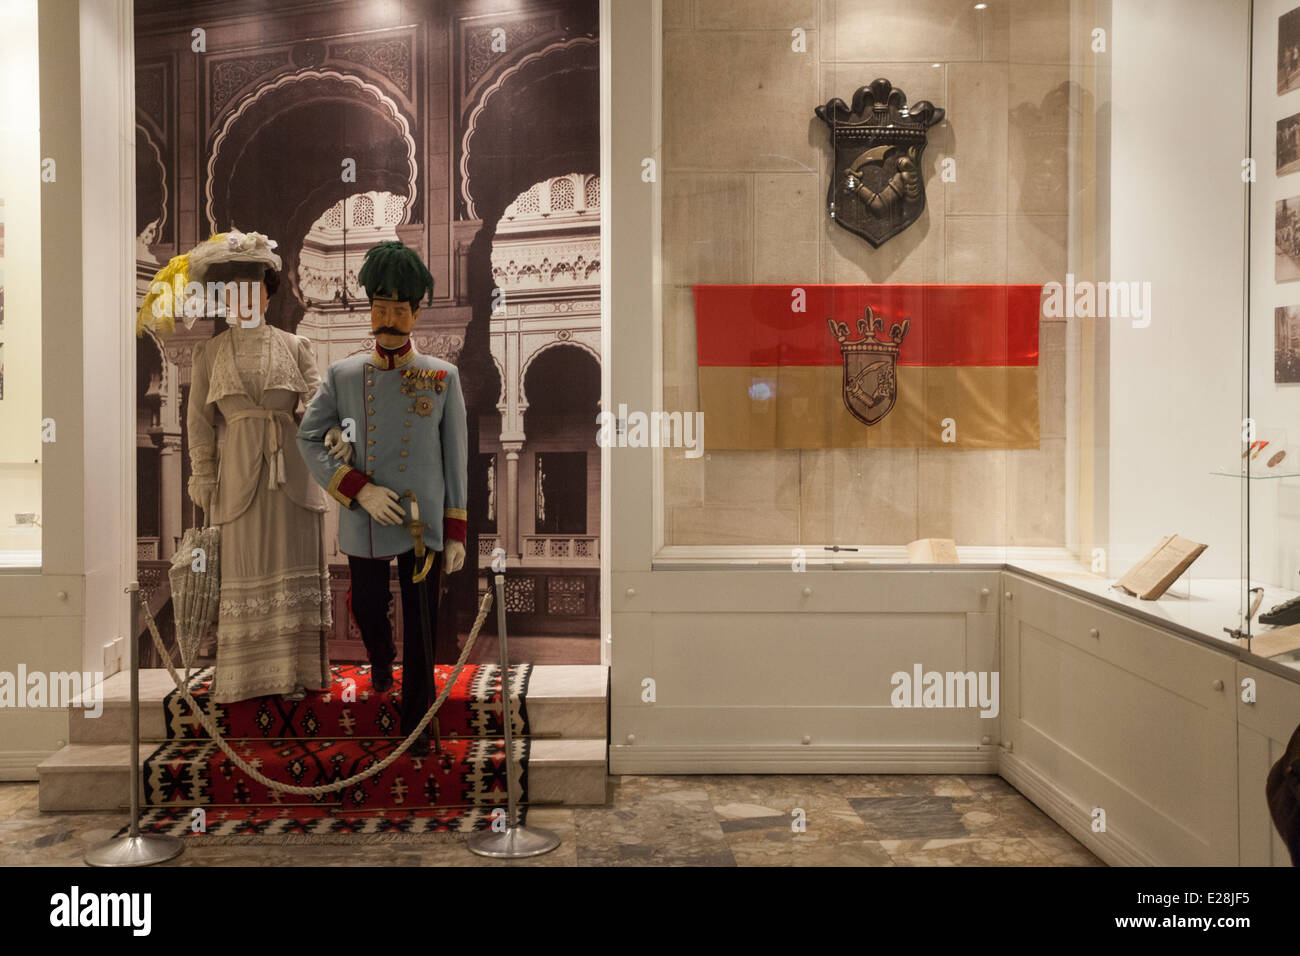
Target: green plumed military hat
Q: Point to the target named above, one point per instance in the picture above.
(393, 269)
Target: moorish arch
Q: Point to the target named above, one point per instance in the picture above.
(574, 363)
(350, 119)
(150, 188)
(480, 140)
(537, 120)
(580, 349)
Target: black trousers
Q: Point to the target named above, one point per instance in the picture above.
(370, 602)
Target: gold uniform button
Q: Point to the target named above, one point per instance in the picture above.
(370, 474)
(401, 468)
(410, 408)
(370, 398)
(370, 410)
(408, 424)
(406, 438)
(370, 441)
(370, 427)
(403, 454)
(370, 458)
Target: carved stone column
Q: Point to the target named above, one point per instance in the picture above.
(462, 273)
(509, 515)
(166, 437)
(170, 525)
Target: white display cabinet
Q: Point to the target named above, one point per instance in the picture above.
(765, 593)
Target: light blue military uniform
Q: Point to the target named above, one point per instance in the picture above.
(408, 434)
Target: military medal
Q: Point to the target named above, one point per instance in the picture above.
(423, 405)
(423, 379)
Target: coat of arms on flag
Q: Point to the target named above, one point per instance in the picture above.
(957, 368)
(870, 385)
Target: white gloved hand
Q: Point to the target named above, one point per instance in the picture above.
(336, 446)
(453, 556)
(382, 503)
(201, 489)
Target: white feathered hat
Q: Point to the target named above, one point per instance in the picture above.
(232, 246)
(165, 301)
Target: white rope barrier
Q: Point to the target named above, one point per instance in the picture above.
(210, 725)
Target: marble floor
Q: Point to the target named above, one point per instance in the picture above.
(687, 820)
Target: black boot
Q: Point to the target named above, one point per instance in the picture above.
(381, 678)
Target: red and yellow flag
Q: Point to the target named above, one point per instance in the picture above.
(772, 374)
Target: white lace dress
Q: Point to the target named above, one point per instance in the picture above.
(274, 616)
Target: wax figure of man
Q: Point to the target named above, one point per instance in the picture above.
(399, 416)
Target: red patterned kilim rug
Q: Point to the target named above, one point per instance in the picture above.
(192, 789)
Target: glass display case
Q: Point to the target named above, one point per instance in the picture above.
(20, 294)
(986, 283)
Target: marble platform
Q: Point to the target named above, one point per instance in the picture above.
(567, 708)
(564, 700)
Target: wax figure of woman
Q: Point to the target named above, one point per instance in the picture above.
(274, 615)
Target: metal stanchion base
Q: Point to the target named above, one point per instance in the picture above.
(139, 850)
(512, 842)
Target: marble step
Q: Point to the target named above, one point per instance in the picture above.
(564, 700)
(94, 776)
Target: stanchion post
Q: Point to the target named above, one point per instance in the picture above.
(133, 848)
(507, 715)
(514, 841)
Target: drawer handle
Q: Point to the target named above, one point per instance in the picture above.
(1007, 595)
(1093, 632)
(984, 592)
(1217, 685)
(807, 592)
(631, 592)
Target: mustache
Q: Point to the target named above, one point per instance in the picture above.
(387, 329)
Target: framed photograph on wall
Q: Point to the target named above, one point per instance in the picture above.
(1286, 240)
(1286, 344)
(1288, 51)
(1288, 145)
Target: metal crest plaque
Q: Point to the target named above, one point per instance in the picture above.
(877, 189)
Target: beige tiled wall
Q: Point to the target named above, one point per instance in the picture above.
(745, 165)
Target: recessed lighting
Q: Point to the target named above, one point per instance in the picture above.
(981, 6)
(936, 65)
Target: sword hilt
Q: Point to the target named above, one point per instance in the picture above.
(416, 527)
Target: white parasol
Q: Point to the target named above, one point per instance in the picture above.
(195, 577)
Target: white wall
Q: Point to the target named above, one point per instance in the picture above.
(59, 618)
(1177, 221)
(108, 317)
